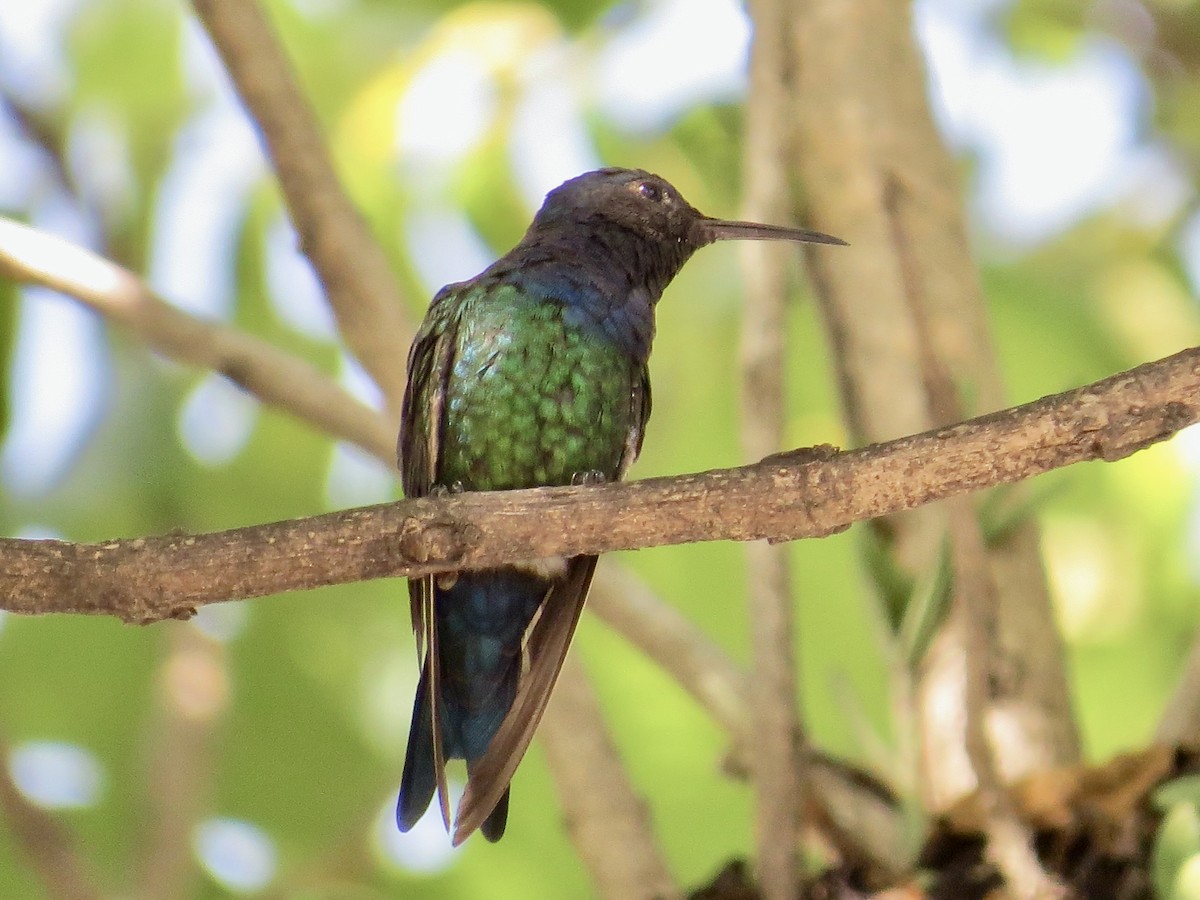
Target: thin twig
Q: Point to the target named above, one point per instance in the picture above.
(848, 806)
(701, 667)
(1009, 841)
(277, 378)
(872, 163)
(973, 627)
(44, 134)
(1180, 722)
(608, 822)
(193, 692)
(786, 497)
(49, 846)
(774, 708)
(358, 281)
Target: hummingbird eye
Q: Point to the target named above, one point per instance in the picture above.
(650, 191)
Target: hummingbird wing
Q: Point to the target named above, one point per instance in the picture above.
(640, 401)
(430, 360)
(418, 447)
(545, 648)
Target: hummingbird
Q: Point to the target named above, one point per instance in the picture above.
(532, 373)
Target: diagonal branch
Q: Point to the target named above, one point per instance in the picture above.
(698, 664)
(841, 802)
(273, 376)
(358, 281)
(50, 847)
(607, 820)
(193, 694)
(807, 493)
(1180, 722)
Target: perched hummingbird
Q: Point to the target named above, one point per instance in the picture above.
(532, 373)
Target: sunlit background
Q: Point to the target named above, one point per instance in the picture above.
(119, 130)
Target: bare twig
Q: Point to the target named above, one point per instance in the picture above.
(274, 377)
(624, 603)
(48, 845)
(973, 628)
(193, 693)
(1180, 722)
(786, 497)
(848, 807)
(774, 708)
(43, 134)
(873, 167)
(1009, 841)
(358, 281)
(608, 822)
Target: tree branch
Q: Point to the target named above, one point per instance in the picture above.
(806, 493)
(973, 625)
(877, 173)
(31, 256)
(193, 694)
(608, 822)
(775, 760)
(1180, 722)
(673, 641)
(358, 281)
(850, 809)
(50, 847)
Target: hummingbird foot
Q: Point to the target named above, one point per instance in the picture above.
(591, 476)
(446, 580)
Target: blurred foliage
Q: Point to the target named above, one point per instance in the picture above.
(1176, 857)
(310, 746)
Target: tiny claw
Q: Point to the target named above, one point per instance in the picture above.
(440, 491)
(591, 476)
(802, 455)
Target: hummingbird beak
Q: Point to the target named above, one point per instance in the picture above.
(707, 230)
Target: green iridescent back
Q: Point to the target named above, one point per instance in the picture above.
(530, 400)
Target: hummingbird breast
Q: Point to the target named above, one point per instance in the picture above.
(534, 397)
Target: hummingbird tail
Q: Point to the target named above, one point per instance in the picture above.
(493, 826)
(476, 652)
(486, 796)
(419, 780)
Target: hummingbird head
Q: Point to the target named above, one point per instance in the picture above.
(643, 205)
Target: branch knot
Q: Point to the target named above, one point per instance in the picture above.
(437, 541)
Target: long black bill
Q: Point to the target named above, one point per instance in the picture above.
(709, 230)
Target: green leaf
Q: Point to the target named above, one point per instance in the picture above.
(927, 607)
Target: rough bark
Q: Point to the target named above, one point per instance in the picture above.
(876, 173)
(807, 493)
(775, 761)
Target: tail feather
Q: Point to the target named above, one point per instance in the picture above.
(547, 644)
(474, 659)
(493, 826)
(419, 780)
